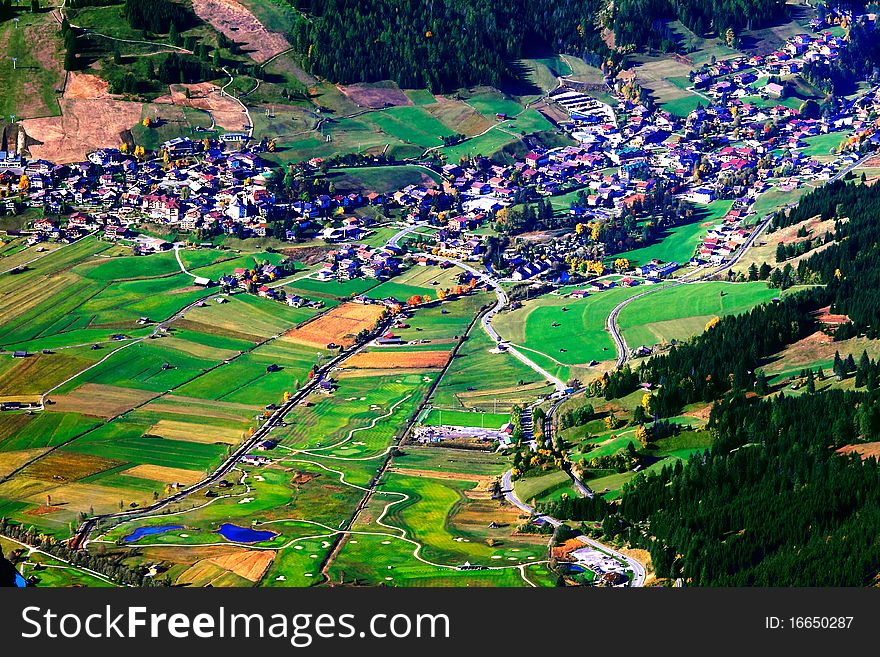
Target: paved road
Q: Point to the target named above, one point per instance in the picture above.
(637, 568)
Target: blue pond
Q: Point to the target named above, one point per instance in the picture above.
(244, 534)
(20, 581)
(140, 532)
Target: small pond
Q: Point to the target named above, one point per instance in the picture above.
(244, 534)
(140, 532)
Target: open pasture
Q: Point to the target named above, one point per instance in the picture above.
(680, 312)
(197, 432)
(47, 429)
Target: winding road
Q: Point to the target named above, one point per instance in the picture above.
(638, 569)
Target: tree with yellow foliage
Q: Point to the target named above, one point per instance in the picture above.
(642, 435)
(24, 182)
(712, 322)
(621, 264)
(147, 122)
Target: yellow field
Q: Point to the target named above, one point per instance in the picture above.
(75, 497)
(250, 564)
(195, 433)
(164, 474)
(10, 461)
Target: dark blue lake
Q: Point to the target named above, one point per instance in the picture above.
(140, 532)
(244, 534)
(20, 581)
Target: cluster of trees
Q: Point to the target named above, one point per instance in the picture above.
(178, 69)
(867, 371)
(616, 384)
(111, 567)
(517, 219)
(858, 59)
(157, 16)
(794, 249)
(442, 45)
(624, 459)
(773, 504)
(71, 45)
(525, 460)
(576, 418)
(643, 221)
(577, 508)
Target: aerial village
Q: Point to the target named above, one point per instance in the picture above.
(742, 141)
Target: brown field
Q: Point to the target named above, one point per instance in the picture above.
(389, 360)
(250, 564)
(205, 96)
(340, 325)
(764, 249)
(11, 461)
(63, 466)
(475, 515)
(164, 474)
(202, 573)
(11, 424)
(865, 450)
(90, 119)
(459, 116)
(101, 400)
(375, 95)
(359, 374)
(195, 433)
(241, 26)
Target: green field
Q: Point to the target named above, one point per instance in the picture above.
(579, 335)
(382, 180)
(31, 89)
(683, 311)
(487, 381)
(679, 243)
(441, 417)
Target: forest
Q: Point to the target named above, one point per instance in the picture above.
(442, 45)
(640, 22)
(449, 44)
(157, 15)
(772, 504)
